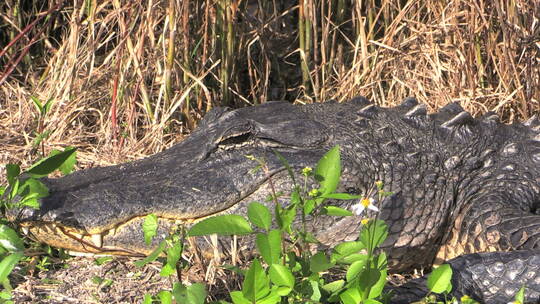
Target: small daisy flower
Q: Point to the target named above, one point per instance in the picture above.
(365, 203)
(364, 221)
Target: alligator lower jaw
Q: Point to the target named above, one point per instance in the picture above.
(125, 239)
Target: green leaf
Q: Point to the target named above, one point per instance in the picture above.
(374, 234)
(37, 103)
(269, 246)
(520, 295)
(14, 189)
(281, 276)
(256, 283)
(33, 186)
(173, 255)
(12, 172)
(149, 227)
(350, 296)
(285, 217)
(336, 211)
(341, 196)
(229, 224)
(238, 298)
(10, 240)
(309, 205)
(259, 215)
(382, 266)
(165, 297)
(40, 137)
(440, 278)
(31, 202)
(69, 164)
(371, 301)
(355, 269)
(102, 260)
(192, 294)
(346, 249)
(319, 262)
(47, 106)
(368, 278)
(295, 196)
(272, 298)
(333, 286)
(50, 163)
(147, 299)
(7, 264)
(315, 291)
(5, 295)
(153, 256)
(328, 170)
(102, 282)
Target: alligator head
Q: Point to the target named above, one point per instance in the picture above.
(100, 210)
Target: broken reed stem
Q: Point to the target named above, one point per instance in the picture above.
(169, 63)
(303, 35)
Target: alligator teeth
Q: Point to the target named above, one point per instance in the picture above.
(97, 239)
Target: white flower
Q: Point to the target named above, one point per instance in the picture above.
(365, 203)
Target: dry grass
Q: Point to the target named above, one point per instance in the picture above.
(130, 78)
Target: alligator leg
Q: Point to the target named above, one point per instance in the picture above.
(496, 222)
(493, 277)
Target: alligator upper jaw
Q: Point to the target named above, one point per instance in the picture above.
(106, 216)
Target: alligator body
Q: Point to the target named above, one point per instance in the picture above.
(461, 186)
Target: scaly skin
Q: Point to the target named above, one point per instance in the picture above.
(460, 185)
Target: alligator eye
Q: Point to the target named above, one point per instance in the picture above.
(235, 140)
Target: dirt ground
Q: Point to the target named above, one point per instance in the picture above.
(82, 280)
(78, 281)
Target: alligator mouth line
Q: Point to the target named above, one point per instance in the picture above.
(91, 241)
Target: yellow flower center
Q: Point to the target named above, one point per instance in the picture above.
(365, 202)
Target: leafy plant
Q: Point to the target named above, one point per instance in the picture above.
(24, 190)
(40, 133)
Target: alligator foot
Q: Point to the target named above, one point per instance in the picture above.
(493, 277)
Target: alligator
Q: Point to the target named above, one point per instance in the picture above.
(464, 189)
